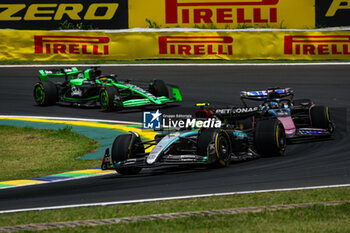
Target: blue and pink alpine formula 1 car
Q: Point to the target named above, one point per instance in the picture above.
(301, 118)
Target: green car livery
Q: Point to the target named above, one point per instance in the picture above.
(89, 88)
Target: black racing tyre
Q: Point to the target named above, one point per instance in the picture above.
(270, 138)
(320, 117)
(205, 136)
(45, 93)
(159, 88)
(302, 103)
(107, 96)
(121, 152)
(222, 146)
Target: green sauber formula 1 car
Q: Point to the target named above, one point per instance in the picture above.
(89, 88)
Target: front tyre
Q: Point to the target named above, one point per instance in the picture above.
(215, 144)
(107, 95)
(159, 88)
(45, 93)
(320, 117)
(124, 148)
(270, 138)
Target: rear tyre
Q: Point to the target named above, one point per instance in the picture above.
(124, 148)
(159, 88)
(107, 96)
(216, 144)
(45, 93)
(270, 138)
(320, 118)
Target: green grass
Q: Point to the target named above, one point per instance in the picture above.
(309, 220)
(195, 204)
(27, 153)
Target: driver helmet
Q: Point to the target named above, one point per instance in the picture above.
(273, 105)
(92, 74)
(80, 76)
(273, 95)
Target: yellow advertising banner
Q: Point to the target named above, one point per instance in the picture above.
(225, 14)
(229, 45)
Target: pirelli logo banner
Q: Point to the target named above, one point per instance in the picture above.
(54, 14)
(223, 13)
(56, 45)
(228, 45)
(195, 45)
(180, 11)
(83, 45)
(317, 45)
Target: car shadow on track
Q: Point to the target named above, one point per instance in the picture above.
(166, 170)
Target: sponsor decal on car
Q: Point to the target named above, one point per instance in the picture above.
(196, 45)
(317, 45)
(236, 110)
(75, 91)
(223, 11)
(83, 45)
(312, 131)
(139, 89)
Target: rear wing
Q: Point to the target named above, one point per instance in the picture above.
(44, 75)
(271, 93)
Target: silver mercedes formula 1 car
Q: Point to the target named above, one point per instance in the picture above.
(214, 147)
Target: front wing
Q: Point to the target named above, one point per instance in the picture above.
(169, 160)
(309, 135)
(146, 101)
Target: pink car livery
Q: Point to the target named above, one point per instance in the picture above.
(301, 118)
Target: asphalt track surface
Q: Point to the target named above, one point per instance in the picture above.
(309, 164)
